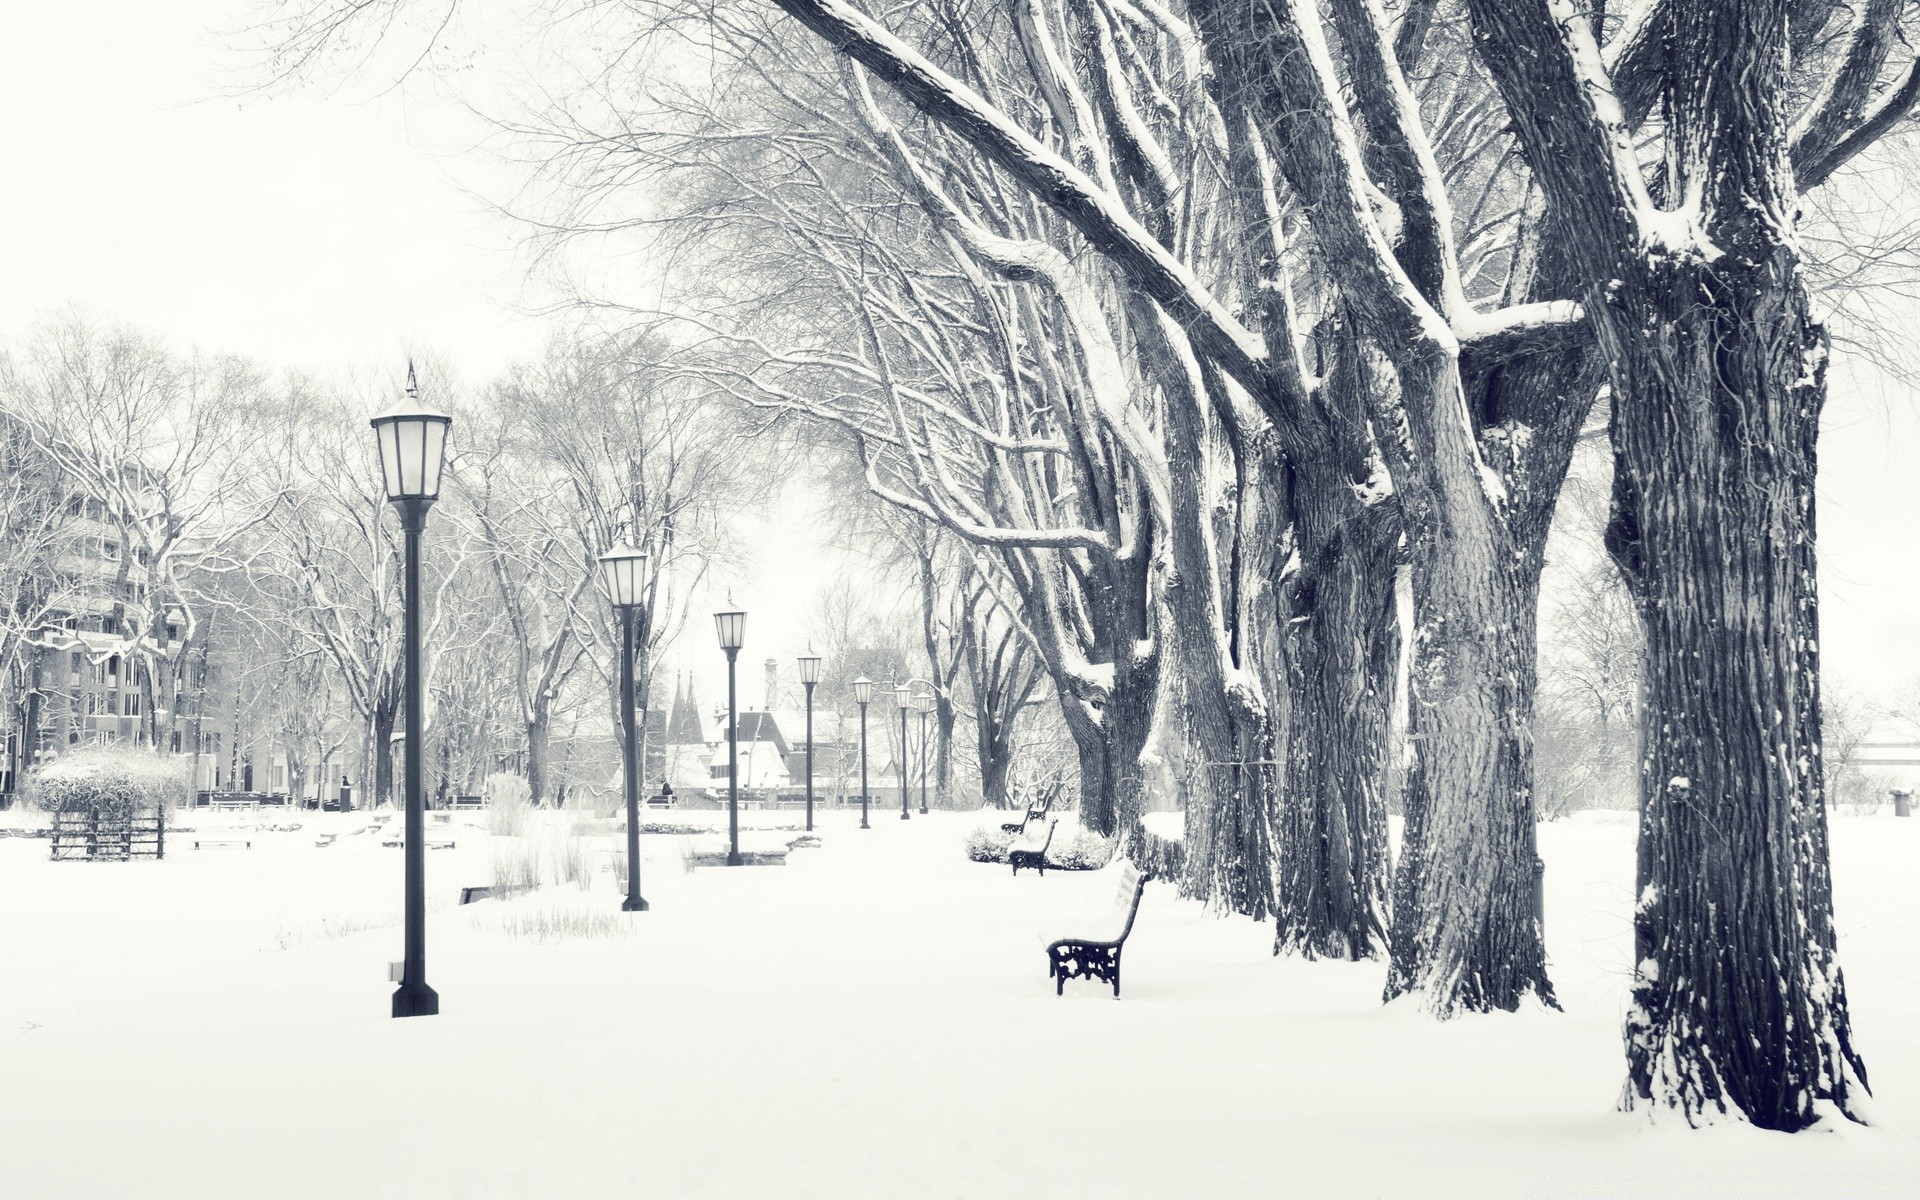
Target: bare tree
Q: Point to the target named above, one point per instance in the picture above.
(164, 444)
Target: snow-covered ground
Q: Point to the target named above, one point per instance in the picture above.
(872, 1019)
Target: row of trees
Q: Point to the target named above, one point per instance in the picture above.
(1198, 328)
(227, 523)
(222, 532)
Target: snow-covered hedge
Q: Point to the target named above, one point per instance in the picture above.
(508, 801)
(988, 844)
(113, 780)
(1072, 849)
(1079, 850)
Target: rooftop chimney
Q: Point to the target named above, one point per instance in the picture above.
(773, 683)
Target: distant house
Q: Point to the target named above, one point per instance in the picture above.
(762, 753)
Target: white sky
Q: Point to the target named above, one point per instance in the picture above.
(328, 232)
(300, 229)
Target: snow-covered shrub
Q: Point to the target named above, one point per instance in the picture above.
(522, 864)
(509, 799)
(1072, 847)
(988, 844)
(1079, 850)
(111, 780)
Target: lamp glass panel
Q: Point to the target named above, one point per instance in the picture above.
(433, 456)
(809, 668)
(732, 627)
(389, 456)
(412, 434)
(862, 689)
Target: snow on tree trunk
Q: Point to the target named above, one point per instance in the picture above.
(539, 737)
(1465, 932)
(1342, 649)
(385, 714)
(1738, 999)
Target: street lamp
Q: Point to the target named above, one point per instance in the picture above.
(623, 570)
(732, 627)
(809, 676)
(903, 696)
(413, 450)
(863, 692)
(924, 702)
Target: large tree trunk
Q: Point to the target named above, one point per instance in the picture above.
(1109, 744)
(1738, 999)
(1229, 785)
(1342, 647)
(386, 714)
(1465, 930)
(539, 745)
(995, 759)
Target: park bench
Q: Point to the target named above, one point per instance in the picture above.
(469, 802)
(1019, 827)
(1031, 852)
(430, 840)
(215, 843)
(1034, 813)
(1098, 956)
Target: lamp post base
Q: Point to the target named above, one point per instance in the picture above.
(906, 816)
(416, 1000)
(733, 857)
(634, 904)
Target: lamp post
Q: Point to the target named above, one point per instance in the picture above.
(863, 692)
(732, 627)
(809, 676)
(903, 696)
(924, 702)
(623, 570)
(413, 446)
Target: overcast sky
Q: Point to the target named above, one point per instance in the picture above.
(325, 231)
(331, 232)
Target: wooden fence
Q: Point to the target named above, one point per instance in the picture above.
(106, 837)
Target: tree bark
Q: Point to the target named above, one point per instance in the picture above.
(1738, 998)
(539, 733)
(385, 714)
(1342, 652)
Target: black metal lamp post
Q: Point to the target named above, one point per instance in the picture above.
(624, 569)
(903, 696)
(862, 693)
(809, 676)
(924, 702)
(413, 445)
(732, 627)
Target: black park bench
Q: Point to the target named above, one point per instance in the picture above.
(1031, 853)
(1098, 956)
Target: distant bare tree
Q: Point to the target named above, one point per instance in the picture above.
(169, 446)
